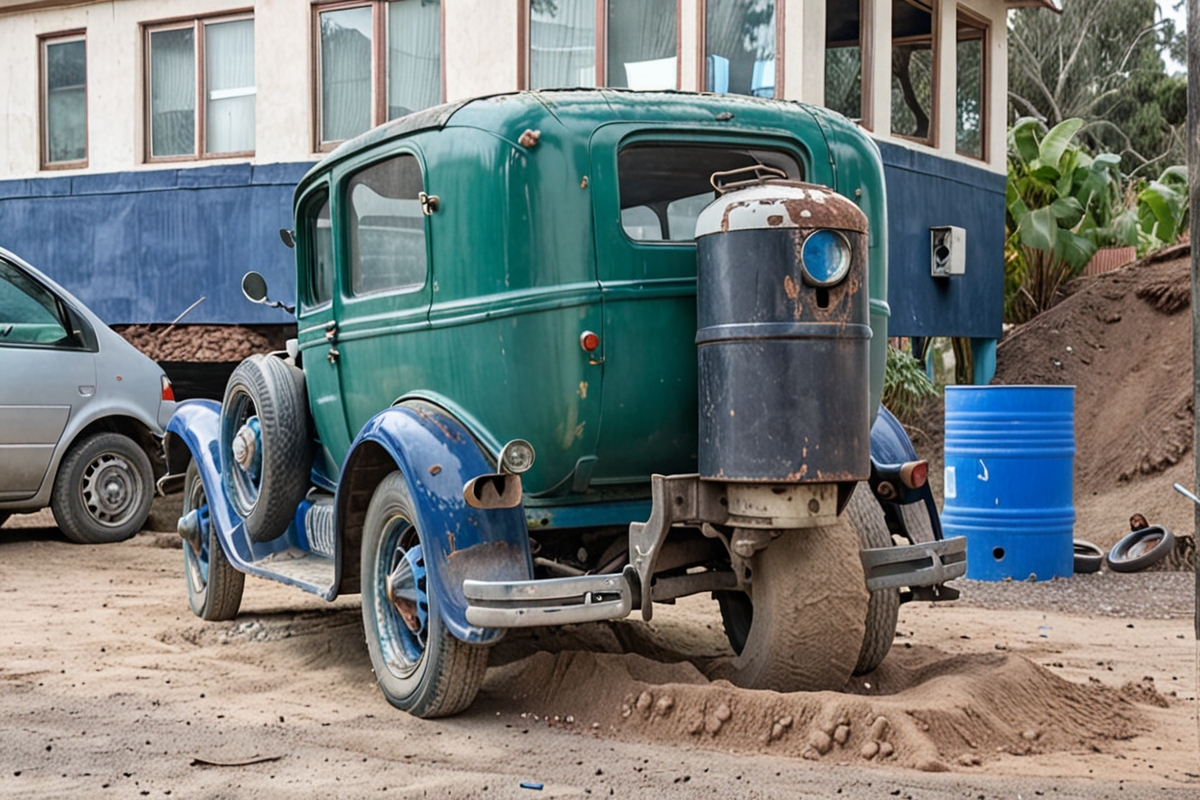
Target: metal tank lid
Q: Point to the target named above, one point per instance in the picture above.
(780, 204)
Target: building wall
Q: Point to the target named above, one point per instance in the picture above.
(202, 206)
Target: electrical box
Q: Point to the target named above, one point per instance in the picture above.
(947, 251)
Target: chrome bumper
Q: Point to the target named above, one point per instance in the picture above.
(556, 601)
(915, 565)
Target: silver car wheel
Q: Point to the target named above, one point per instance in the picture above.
(110, 489)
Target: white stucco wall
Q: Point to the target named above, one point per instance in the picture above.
(480, 57)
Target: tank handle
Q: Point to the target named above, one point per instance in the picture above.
(761, 172)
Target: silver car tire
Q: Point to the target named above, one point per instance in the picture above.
(103, 489)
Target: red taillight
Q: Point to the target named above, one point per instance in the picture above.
(914, 474)
(168, 393)
(589, 341)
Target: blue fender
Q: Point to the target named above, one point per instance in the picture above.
(437, 456)
(197, 424)
(890, 446)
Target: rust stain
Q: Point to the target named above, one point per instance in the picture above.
(797, 475)
(529, 138)
(582, 391)
(775, 219)
(435, 469)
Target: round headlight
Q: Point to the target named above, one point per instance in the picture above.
(516, 456)
(825, 257)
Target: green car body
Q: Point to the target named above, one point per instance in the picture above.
(525, 252)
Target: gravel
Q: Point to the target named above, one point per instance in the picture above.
(1143, 595)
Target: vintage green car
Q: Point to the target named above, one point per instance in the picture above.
(676, 300)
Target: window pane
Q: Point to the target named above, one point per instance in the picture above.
(414, 66)
(562, 43)
(664, 187)
(320, 252)
(387, 233)
(229, 82)
(345, 73)
(28, 313)
(969, 124)
(66, 101)
(173, 92)
(843, 58)
(912, 69)
(641, 44)
(739, 42)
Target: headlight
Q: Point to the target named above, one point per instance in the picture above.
(825, 258)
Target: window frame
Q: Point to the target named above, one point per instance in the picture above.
(316, 196)
(44, 40)
(935, 32)
(379, 65)
(197, 24)
(349, 269)
(975, 20)
(866, 52)
(524, 42)
(702, 47)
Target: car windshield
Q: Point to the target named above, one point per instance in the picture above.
(664, 187)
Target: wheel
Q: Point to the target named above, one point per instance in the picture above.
(420, 666)
(103, 489)
(1088, 557)
(801, 627)
(866, 517)
(214, 586)
(1141, 549)
(917, 522)
(265, 444)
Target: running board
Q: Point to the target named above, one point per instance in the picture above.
(557, 601)
(915, 565)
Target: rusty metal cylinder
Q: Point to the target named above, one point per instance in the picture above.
(783, 345)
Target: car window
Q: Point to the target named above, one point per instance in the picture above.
(28, 311)
(665, 186)
(318, 255)
(387, 227)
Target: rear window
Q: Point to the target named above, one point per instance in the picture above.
(664, 187)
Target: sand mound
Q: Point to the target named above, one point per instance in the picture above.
(923, 709)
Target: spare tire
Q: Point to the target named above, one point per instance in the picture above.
(1140, 549)
(1088, 557)
(266, 447)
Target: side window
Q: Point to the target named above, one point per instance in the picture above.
(387, 227)
(664, 187)
(28, 312)
(318, 256)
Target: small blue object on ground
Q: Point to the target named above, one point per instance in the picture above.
(531, 785)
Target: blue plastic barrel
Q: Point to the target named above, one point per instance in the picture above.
(1010, 453)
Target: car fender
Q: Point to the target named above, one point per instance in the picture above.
(890, 445)
(437, 456)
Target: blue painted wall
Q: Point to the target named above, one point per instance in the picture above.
(140, 247)
(925, 191)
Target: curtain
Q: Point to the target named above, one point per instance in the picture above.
(414, 65)
(229, 84)
(173, 92)
(562, 43)
(743, 33)
(345, 73)
(641, 44)
(66, 101)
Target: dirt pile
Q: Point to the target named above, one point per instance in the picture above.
(213, 343)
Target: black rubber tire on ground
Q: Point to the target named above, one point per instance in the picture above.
(436, 677)
(265, 387)
(1088, 557)
(1141, 549)
(865, 515)
(103, 489)
(802, 626)
(214, 586)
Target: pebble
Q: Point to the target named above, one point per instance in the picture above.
(841, 734)
(664, 705)
(820, 741)
(969, 760)
(869, 750)
(879, 728)
(931, 765)
(776, 731)
(644, 700)
(1031, 735)
(723, 712)
(885, 749)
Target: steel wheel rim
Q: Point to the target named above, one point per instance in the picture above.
(400, 648)
(110, 490)
(245, 486)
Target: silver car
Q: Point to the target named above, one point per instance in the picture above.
(81, 412)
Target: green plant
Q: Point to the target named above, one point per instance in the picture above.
(905, 384)
(1062, 204)
(1159, 213)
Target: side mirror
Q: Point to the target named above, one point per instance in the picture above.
(254, 286)
(288, 236)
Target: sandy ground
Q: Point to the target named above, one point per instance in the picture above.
(110, 687)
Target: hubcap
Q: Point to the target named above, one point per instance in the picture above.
(111, 488)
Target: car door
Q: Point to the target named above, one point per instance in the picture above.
(49, 373)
